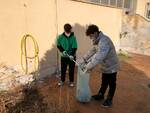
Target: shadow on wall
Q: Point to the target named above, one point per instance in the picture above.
(83, 41)
(47, 65)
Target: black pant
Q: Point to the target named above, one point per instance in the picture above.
(64, 63)
(108, 80)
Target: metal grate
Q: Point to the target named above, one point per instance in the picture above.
(105, 2)
(120, 3)
(127, 4)
(95, 1)
(114, 3)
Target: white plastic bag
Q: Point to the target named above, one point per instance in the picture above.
(83, 93)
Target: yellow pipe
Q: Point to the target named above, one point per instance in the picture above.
(24, 54)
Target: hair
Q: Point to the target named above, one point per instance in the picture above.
(67, 28)
(91, 29)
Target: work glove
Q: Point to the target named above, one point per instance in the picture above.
(71, 57)
(64, 53)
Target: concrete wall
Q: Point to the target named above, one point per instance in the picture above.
(36, 17)
(39, 18)
(137, 37)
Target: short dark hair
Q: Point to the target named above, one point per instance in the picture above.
(92, 29)
(67, 28)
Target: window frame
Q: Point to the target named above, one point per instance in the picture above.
(99, 2)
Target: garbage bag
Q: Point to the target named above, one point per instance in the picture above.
(83, 93)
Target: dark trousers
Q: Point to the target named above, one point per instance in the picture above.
(108, 80)
(64, 63)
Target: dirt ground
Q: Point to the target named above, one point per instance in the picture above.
(132, 93)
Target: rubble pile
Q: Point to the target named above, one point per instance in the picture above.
(11, 78)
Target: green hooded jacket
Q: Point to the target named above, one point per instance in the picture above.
(68, 44)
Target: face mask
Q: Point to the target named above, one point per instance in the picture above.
(94, 41)
(67, 34)
(94, 38)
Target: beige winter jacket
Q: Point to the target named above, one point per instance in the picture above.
(103, 53)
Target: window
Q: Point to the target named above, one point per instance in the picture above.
(113, 3)
(119, 3)
(105, 2)
(127, 4)
(148, 10)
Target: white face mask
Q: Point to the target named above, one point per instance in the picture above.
(67, 34)
(94, 37)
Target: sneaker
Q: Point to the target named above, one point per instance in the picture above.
(71, 84)
(60, 83)
(107, 103)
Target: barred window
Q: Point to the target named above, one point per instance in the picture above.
(119, 3)
(127, 3)
(105, 2)
(96, 1)
(113, 3)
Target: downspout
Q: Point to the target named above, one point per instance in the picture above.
(56, 25)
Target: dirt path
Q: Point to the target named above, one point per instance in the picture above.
(132, 94)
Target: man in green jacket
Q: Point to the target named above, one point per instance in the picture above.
(67, 45)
